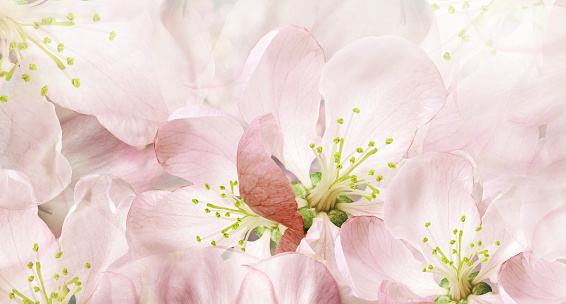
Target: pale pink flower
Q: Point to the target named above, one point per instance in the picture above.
(377, 93)
(432, 230)
(129, 63)
(35, 267)
(217, 275)
(238, 187)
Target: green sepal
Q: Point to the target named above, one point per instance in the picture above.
(343, 199)
(276, 235)
(481, 288)
(299, 189)
(472, 276)
(337, 217)
(259, 230)
(308, 215)
(443, 300)
(315, 178)
(445, 284)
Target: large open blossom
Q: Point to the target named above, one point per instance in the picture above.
(37, 268)
(377, 92)
(70, 48)
(429, 208)
(225, 209)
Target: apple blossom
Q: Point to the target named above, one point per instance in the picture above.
(429, 207)
(217, 213)
(36, 269)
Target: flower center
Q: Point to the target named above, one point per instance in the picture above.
(337, 178)
(37, 291)
(22, 25)
(238, 220)
(456, 265)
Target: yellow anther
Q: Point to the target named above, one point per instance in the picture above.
(30, 265)
(112, 36)
(195, 201)
(31, 278)
(455, 231)
(463, 218)
(59, 254)
(32, 67)
(44, 90)
(319, 149)
(379, 178)
(36, 289)
(227, 214)
(76, 82)
(47, 40)
(56, 276)
(435, 7)
(388, 141)
(497, 243)
(70, 61)
(451, 10)
(425, 240)
(312, 146)
(352, 160)
(241, 242)
(217, 215)
(87, 265)
(96, 17)
(479, 243)
(35, 247)
(371, 172)
(356, 110)
(447, 56)
(371, 143)
(223, 195)
(430, 267)
(65, 271)
(479, 228)
(226, 235)
(12, 46)
(452, 242)
(206, 210)
(427, 225)
(340, 120)
(26, 77)
(213, 243)
(391, 165)
(466, 5)
(3, 99)
(243, 249)
(207, 186)
(359, 150)
(71, 17)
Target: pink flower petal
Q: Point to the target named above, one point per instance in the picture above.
(299, 279)
(395, 293)
(19, 231)
(108, 155)
(556, 138)
(162, 221)
(281, 77)
(33, 169)
(199, 144)
(263, 185)
(289, 241)
(94, 230)
(124, 96)
(530, 280)
(218, 282)
(256, 288)
(337, 23)
(433, 188)
(393, 83)
(373, 255)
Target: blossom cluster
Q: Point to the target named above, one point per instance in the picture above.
(253, 151)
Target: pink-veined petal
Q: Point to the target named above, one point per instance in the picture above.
(199, 144)
(337, 23)
(217, 282)
(434, 188)
(263, 185)
(395, 293)
(163, 221)
(94, 230)
(256, 288)
(30, 151)
(124, 96)
(290, 241)
(556, 138)
(531, 280)
(91, 149)
(299, 279)
(373, 255)
(393, 83)
(281, 77)
(19, 231)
